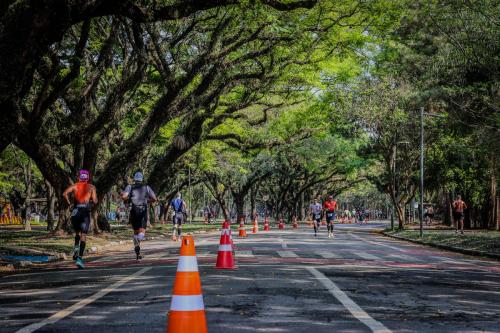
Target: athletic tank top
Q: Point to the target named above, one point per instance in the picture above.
(82, 193)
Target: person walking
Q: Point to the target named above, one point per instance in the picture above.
(458, 214)
(139, 195)
(83, 194)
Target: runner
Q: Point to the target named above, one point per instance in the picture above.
(139, 195)
(329, 207)
(458, 213)
(179, 207)
(316, 211)
(429, 215)
(83, 193)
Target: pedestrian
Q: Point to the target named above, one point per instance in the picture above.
(458, 214)
(316, 211)
(329, 208)
(83, 194)
(139, 195)
(179, 216)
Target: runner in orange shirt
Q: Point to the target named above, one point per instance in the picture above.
(83, 193)
(329, 208)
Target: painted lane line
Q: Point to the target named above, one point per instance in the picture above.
(283, 244)
(82, 303)
(348, 303)
(327, 255)
(377, 243)
(244, 253)
(287, 254)
(405, 257)
(367, 256)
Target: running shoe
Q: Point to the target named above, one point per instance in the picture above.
(79, 263)
(75, 252)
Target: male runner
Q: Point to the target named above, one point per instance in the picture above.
(179, 207)
(316, 211)
(139, 195)
(329, 207)
(458, 213)
(83, 193)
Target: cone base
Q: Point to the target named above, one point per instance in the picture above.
(187, 321)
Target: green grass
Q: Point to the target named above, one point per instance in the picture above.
(43, 241)
(487, 241)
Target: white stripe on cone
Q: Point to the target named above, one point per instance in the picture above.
(187, 264)
(187, 303)
(226, 232)
(225, 248)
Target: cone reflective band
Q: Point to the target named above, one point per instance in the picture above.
(225, 259)
(187, 310)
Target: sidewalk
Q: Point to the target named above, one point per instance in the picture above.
(20, 249)
(472, 242)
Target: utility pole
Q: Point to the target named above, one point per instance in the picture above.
(190, 197)
(421, 171)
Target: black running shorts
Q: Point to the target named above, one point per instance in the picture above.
(139, 217)
(80, 219)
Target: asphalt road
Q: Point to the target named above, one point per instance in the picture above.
(286, 281)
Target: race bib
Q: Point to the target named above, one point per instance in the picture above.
(317, 216)
(330, 215)
(74, 212)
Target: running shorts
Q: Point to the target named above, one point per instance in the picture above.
(330, 216)
(317, 217)
(458, 215)
(139, 217)
(80, 219)
(178, 218)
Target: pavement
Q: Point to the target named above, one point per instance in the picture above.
(286, 281)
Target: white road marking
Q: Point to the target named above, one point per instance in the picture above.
(405, 257)
(368, 256)
(287, 254)
(82, 303)
(283, 244)
(244, 253)
(349, 304)
(377, 243)
(327, 255)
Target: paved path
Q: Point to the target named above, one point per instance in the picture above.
(287, 281)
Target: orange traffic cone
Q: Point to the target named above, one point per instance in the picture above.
(226, 230)
(255, 227)
(323, 222)
(225, 259)
(187, 310)
(242, 230)
(281, 224)
(266, 224)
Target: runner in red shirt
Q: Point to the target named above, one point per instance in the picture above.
(83, 194)
(329, 208)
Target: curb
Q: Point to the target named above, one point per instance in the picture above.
(447, 247)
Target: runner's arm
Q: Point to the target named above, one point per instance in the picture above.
(70, 189)
(152, 196)
(93, 195)
(124, 195)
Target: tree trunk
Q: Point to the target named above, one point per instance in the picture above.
(63, 224)
(51, 200)
(239, 201)
(493, 209)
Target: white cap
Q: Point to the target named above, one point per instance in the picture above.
(138, 177)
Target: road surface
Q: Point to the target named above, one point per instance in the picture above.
(286, 281)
